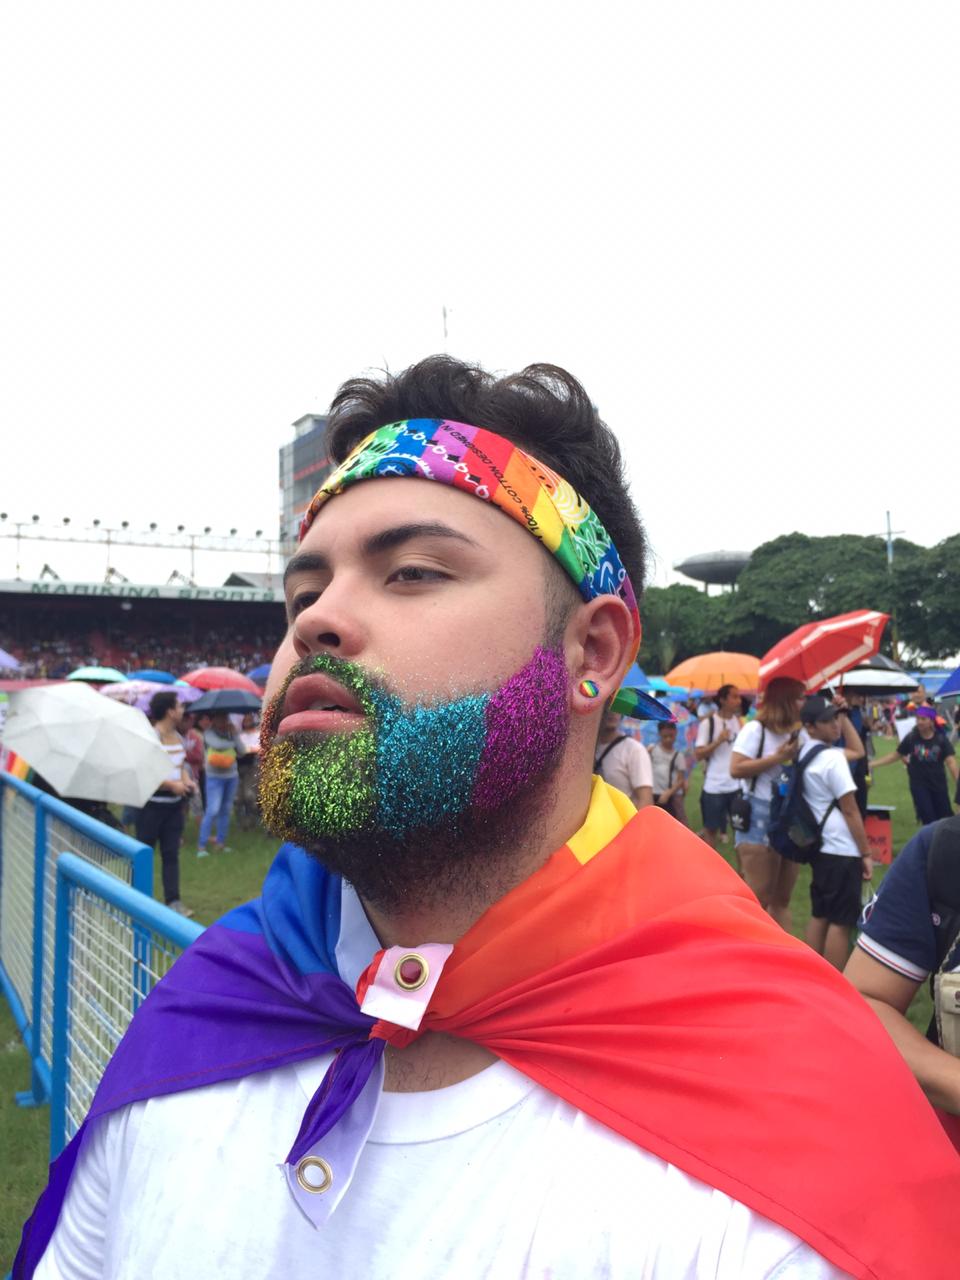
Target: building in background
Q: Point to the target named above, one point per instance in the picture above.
(303, 465)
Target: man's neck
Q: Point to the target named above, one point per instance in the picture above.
(449, 919)
(436, 1060)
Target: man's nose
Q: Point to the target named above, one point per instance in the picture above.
(329, 625)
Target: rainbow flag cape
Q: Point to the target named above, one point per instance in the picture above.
(643, 984)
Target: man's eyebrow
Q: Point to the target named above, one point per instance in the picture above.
(305, 562)
(376, 543)
(388, 539)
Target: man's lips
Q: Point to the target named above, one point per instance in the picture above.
(317, 702)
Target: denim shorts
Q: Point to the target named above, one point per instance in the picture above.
(715, 809)
(759, 823)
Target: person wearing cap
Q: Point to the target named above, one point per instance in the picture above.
(843, 860)
(486, 1018)
(926, 751)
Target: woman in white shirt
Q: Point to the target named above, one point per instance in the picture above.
(761, 747)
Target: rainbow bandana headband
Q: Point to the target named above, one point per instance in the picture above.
(495, 470)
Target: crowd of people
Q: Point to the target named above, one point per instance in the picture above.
(54, 657)
(744, 758)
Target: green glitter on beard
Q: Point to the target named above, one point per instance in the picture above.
(318, 783)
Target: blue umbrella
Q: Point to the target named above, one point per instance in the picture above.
(950, 686)
(261, 674)
(228, 701)
(158, 677)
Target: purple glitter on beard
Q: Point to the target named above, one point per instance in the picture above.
(527, 723)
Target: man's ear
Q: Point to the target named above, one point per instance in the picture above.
(599, 647)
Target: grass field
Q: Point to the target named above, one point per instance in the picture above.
(215, 884)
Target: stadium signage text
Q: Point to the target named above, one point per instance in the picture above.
(131, 591)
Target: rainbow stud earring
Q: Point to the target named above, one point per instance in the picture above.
(589, 688)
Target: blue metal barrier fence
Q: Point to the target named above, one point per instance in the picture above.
(113, 944)
(35, 829)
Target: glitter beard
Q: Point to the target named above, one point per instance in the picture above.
(417, 768)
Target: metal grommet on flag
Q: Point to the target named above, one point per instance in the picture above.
(314, 1162)
(411, 972)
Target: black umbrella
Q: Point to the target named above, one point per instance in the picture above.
(225, 701)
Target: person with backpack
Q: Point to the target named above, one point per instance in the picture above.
(623, 761)
(760, 749)
(840, 857)
(909, 932)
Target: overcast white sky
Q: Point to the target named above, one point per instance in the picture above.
(738, 224)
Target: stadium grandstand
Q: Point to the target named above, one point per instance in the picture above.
(52, 627)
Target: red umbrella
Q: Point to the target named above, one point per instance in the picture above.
(817, 652)
(220, 678)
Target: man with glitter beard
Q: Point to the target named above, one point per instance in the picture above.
(486, 1019)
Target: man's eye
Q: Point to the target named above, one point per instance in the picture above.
(303, 601)
(414, 573)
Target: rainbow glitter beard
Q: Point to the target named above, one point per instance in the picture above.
(417, 767)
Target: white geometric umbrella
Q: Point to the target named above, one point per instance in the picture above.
(875, 681)
(85, 745)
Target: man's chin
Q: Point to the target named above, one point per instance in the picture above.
(468, 858)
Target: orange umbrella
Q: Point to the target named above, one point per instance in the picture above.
(708, 671)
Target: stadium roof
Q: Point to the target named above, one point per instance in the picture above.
(239, 593)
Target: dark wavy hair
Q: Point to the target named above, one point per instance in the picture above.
(160, 704)
(543, 409)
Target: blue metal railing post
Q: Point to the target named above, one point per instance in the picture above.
(61, 975)
(38, 1093)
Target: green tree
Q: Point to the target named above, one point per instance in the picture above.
(795, 579)
(927, 599)
(677, 623)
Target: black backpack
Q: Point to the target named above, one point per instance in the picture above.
(794, 831)
(943, 890)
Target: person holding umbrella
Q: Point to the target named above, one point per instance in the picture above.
(160, 821)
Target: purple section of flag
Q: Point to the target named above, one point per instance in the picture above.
(228, 1007)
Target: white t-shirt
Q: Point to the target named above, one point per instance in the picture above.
(492, 1177)
(747, 743)
(716, 776)
(660, 760)
(626, 766)
(828, 778)
(177, 753)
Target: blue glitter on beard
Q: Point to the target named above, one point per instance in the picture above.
(426, 760)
